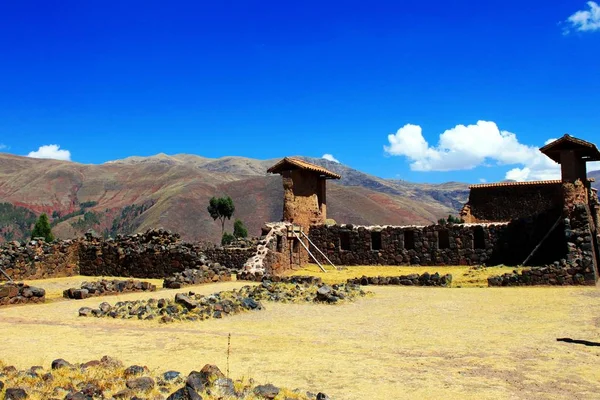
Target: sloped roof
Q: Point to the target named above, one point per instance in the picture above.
(526, 183)
(290, 163)
(586, 150)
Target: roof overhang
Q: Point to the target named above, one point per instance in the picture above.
(292, 163)
(585, 150)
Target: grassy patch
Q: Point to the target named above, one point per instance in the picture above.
(462, 276)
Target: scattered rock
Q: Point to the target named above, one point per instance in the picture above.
(144, 383)
(15, 394)
(266, 391)
(60, 363)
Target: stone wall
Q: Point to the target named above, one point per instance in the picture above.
(508, 202)
(561, 273)
(462, 244)
(233, 258)
(37, 259)
(154, 254)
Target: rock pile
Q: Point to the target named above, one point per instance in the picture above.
(425, 279)
(106, 287)
(193, 307)
(20, 293)
(558, 274)
(107, 378)
(212, 272)
(299, 279)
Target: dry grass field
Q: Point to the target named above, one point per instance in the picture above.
(402, 343)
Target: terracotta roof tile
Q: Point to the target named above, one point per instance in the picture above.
(293, 162)
(526, 183)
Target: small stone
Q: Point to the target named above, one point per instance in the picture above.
(144, 383)
(134, 370)
(171, 375)
(60, 363)
(185, 393)
(266, 391)
(15, 394)
(85, 312)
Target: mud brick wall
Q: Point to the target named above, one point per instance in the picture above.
(506, 203)
(37, 259)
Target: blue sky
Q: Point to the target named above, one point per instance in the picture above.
(262, 79)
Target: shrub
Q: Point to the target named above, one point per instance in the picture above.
(239, 230)
(227, 238)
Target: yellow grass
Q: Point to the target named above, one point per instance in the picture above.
(462, 276)
(404, 342)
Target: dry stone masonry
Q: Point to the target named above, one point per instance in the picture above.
(211, 273)
(425, 279)
(37, 259)
(20, 293)
(107, 287)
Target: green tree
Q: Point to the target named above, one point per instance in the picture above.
(239, 230)
(221, 208)
(42, 229)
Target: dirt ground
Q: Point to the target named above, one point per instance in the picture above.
(404, 342)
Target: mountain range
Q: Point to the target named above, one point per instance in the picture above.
(172, 192)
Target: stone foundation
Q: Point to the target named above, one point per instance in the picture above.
(20, 293)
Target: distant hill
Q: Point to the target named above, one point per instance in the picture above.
(595, 175)
(138, 193)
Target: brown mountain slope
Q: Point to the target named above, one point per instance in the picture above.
(173, 191)
(595, 175)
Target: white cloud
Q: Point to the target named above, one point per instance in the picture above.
(482, 180)
(585, 20)
(467, 147)
(593, 166)
(330, 157)
(52, 151)
(3, 146)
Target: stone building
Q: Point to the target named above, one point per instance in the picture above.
(512, 223)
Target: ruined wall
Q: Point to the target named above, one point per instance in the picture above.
(37, 259)
(19, 293)
(233, 258)
(276, 253)
(153, 254)
(505, 203)
(490, 244)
